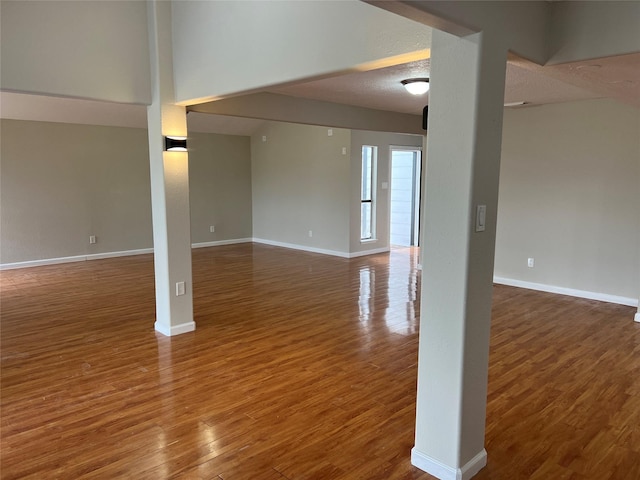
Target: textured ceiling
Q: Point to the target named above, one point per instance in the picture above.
(615, 77)
(381, 89)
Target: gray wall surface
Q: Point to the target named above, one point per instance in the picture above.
(219, 186)
(569, 197)
(63, 182)
(569, 193)
(301, 182)
(97, 50)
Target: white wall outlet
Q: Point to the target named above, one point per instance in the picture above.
(212, 228)
(384, 185)
(264, 138)
(344, 150)
(92, 239)
(530, 262)
(310, 233)
(179, 289)
(330, 132)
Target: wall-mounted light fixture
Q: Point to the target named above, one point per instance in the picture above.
(515, 104)
(416, 86)
(175, 144)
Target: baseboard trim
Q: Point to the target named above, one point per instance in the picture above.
(637, 317)
(218, 243)
(445, 472)
(77, 258)
(99, 256)
(602, 297)
(373, 251)
(294, 246)
(173, 330)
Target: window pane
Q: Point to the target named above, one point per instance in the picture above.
(367, 172)
(365, 224)
(367, 193)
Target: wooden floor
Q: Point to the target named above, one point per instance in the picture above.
(302, 366)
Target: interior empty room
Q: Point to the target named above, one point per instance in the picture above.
(234, 245)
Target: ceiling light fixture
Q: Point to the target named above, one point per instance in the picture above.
(416, 86)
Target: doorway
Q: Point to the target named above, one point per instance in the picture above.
(404, 211)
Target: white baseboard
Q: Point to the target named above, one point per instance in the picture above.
(77, 258)
(98, 256)
(373, 251)
(141, 251)
(637, 317)
(170, 331)
(323, 251)
(293, 246)
(445, 472)
(603, 297)
(217, 243)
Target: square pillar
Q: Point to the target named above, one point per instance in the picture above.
(169, 184)
(462, 173)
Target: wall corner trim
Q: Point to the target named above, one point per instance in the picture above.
(602, 297)
(445, 472)
(174, 330)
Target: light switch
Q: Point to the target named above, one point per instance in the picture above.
(481, 217)
(179, 289)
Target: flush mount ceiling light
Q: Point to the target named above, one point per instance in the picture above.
(175, 144)
(416, 86)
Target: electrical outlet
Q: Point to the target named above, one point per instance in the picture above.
(530, 262)
(179, 289)
(330, 132)
(92, 239)
(264, 138)
(212, 228)
(310, 233)
(344, 150)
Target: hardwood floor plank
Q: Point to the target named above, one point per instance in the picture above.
(302, 366)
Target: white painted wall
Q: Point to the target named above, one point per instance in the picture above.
(284, 108)
(97, 50)
(588, 29)
(242, 46)
(569, 197)
(523, 25)
(301, 182)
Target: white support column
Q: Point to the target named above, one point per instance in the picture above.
(169, 184)
(465, 133)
